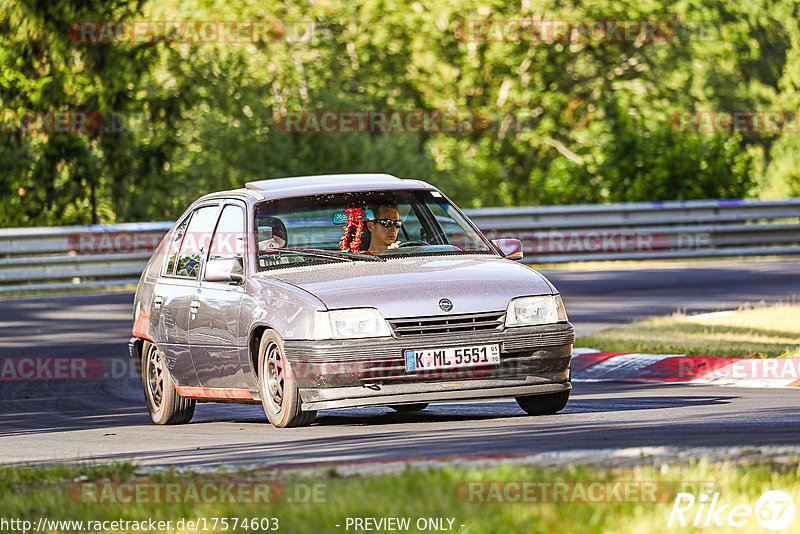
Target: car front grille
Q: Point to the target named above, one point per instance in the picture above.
(446, 324)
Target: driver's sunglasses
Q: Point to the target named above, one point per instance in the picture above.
(388, 223)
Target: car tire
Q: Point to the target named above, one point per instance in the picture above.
(544, 404)
(279, 393)
(165, 405)
(405, 408)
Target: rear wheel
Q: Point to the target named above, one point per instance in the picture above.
(166, 407)
(279, 394)
(544, 404)
(404, 408)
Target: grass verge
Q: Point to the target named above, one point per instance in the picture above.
(762, 332)
(449, 493)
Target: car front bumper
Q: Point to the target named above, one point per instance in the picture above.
(386, 394)
(351, 373)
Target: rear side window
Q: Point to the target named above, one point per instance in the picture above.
(174, 246)
(195, 242)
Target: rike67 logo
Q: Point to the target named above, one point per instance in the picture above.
(774, 510)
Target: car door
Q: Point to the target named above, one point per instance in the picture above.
(175, 290)
(214, 320)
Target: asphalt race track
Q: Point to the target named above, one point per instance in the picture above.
(103, 419)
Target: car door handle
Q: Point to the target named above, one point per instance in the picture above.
(157, 302)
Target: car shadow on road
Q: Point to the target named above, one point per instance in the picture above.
(609, 399)
(586, 397)
(270, 448)
(508, 410)
(46, 406)
(37, 409)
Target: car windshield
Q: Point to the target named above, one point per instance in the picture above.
(370, 225)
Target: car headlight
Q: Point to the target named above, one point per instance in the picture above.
(527, 311)
(348, 324)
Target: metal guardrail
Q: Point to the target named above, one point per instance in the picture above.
(104, 255)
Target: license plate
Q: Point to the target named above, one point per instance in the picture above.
(451, 357)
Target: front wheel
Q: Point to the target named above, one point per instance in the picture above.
(165, 405)
(544, 404)
(279, 394)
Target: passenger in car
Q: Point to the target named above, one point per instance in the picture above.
(383, 229)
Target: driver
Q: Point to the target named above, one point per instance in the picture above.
(383, 229)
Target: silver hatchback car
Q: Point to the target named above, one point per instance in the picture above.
(342, 291)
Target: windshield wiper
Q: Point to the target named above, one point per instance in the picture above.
(323, 253)
(345, 254)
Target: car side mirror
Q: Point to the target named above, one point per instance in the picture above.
(509, 248)
(225, 270)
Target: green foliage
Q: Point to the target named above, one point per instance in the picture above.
(571, 121)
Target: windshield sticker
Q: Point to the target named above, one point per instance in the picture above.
(341, 216)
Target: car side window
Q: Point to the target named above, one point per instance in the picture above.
(412, 229)
(228, 241)
(195, 242)
(458, 232)
(172, 255)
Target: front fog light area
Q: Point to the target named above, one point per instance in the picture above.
(528, 311)
(348, 324)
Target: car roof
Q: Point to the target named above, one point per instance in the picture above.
(332, 183)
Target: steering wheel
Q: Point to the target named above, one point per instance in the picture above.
(414, 243)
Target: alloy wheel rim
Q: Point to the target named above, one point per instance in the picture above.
(275, 376)
(155, 379)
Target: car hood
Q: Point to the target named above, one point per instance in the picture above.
(413, 287)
